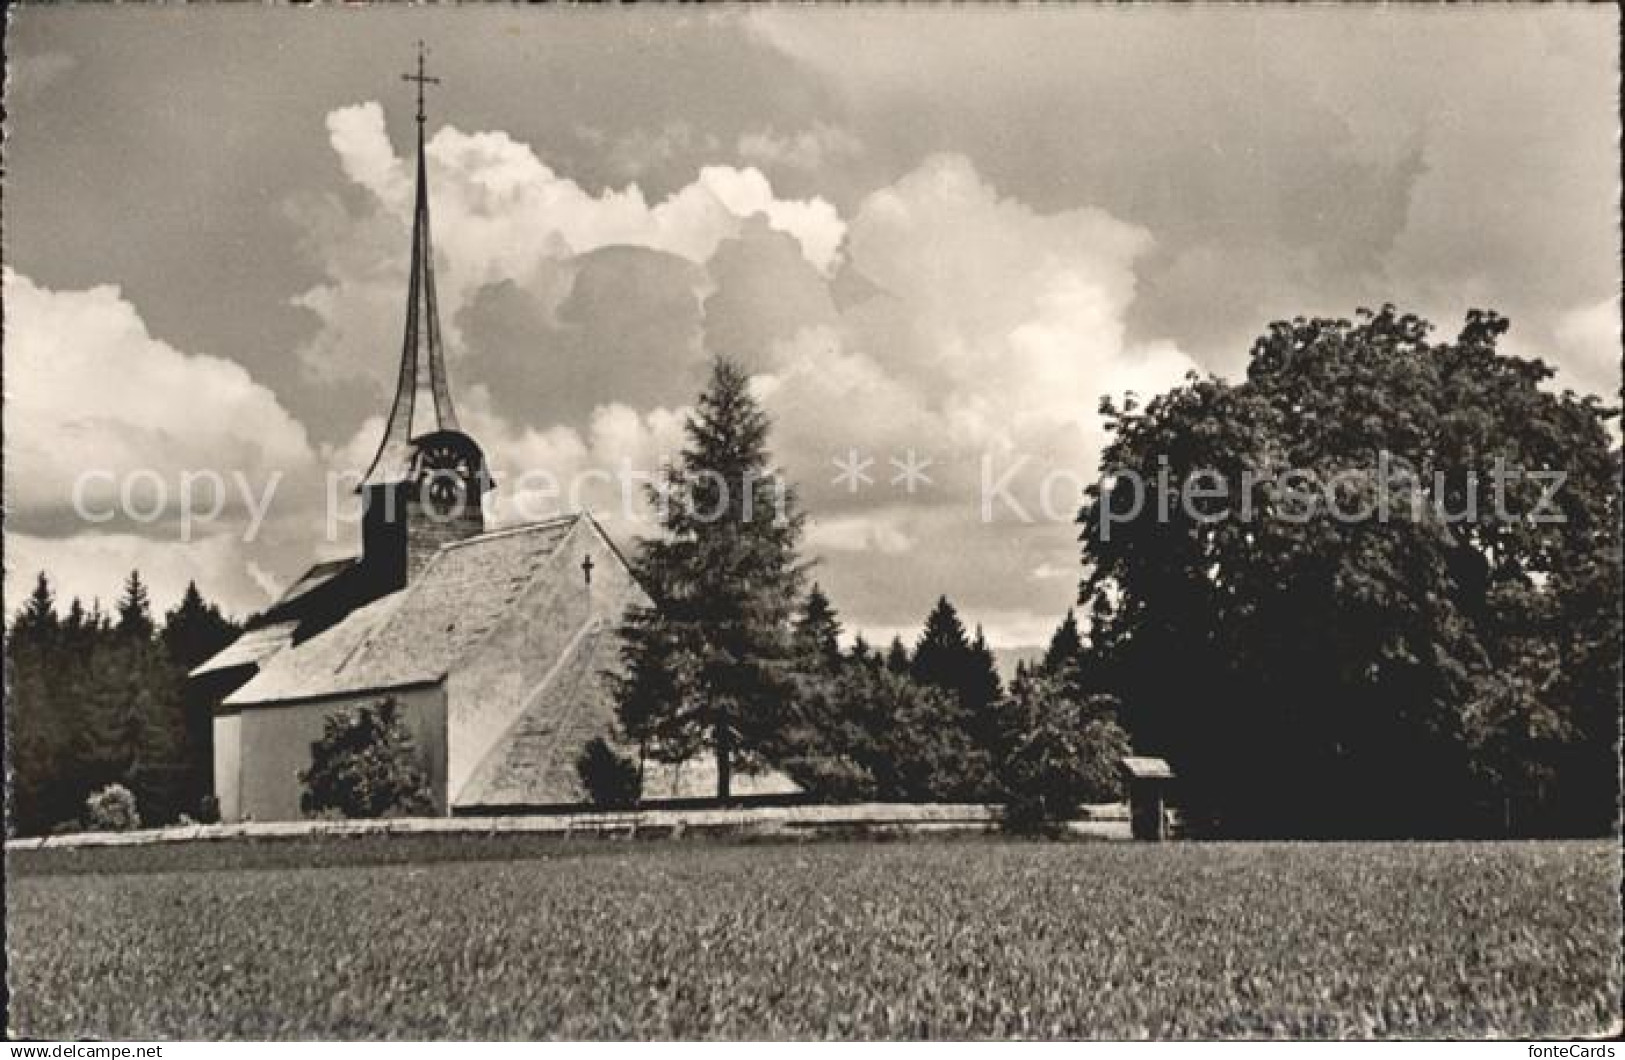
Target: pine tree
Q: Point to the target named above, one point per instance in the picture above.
(135, 609)
(897, 660)
(36, 739)
(709, 665)
(942, 651)
(818, 632)
(37, 617)
(982, 687)
(1065, 646)
(194, 630)
(945, 658)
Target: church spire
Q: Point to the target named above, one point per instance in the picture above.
(422, 396)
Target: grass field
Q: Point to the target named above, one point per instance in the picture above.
(926, 939)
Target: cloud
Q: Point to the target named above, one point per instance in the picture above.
(1591, 335)
(90, 393)
(93, 566)
(504, 221)
(810, 149)
(641, 150)
(992, 332)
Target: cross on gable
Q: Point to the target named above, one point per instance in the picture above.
(586, 569)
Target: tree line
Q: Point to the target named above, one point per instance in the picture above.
(1445, 671)
(1450, 670)
(737, 658)
(96, 699)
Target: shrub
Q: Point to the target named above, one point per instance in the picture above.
(365, 765)
(612, 780)
(1058, 750)
(112, 809)
(208, 810)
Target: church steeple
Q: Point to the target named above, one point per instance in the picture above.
(425, 487)
(422, 396)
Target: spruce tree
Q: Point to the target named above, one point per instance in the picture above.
(941, 654)
(1065, 646)
(709, 666)
(37, 740)
(818, 632)
(194, 630)
(135, 609)
(897, 660)
(982, 687)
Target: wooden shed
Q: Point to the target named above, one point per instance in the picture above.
(1148, 782)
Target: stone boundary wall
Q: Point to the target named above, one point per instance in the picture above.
(1106, 821)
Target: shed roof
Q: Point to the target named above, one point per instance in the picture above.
(253, 647)
(416, 634)
(1147, 768)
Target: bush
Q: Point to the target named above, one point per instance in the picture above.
(112, 809)
(869, 733)
(612, 780)
(365, 765)
(1058, 750)
(208, 810)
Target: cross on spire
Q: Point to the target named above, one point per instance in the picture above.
(422, 79)
(422, 359)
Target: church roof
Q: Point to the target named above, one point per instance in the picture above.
(534, 763)
(417, 634)
(252, 648)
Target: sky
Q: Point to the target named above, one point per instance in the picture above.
(934, 237)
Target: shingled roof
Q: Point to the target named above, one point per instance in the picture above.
(414, 635)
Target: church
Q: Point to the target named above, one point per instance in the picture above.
(493, 642)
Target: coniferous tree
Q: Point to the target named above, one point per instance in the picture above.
(981, 696)
(818, 632)
(194, 630)
(38, 742)
(1065, 646)
(982, 685)
(135, 609)
(897, 660)
(945, 658)
(37, 618)
(941, 655)
(709, 665)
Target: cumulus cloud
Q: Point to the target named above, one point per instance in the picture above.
(92, 396)
(502, 216)
(981, 335)
(995, 329)
(943, 324)
(809, 149)
(93, 566)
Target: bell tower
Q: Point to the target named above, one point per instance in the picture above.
(426, 485)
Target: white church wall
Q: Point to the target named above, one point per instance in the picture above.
(228, 752)
(281, 737)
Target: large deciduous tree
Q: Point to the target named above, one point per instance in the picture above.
(1354, 609)
(708, 667)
